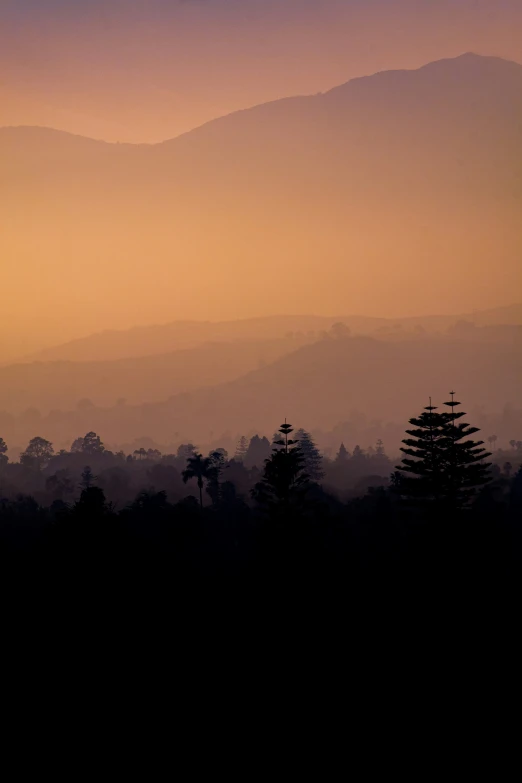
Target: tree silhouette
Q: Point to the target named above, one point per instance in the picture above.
(92, 504)
(140, 453)
(342, 455)
(60, 484)
(258, 451)
(241, 449)
(92, 444)
(88, 478)
(77, 446)
(285, 482)
(217, 461)
(424, 457)
(200, 468)
(3, 452)
(313, 461)
(465, 469)
(446, 465)
(492, 440)
(185, 451)
(38, 453)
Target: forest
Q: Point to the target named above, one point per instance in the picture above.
(274, 512)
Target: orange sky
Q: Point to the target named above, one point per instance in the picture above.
(141, 71)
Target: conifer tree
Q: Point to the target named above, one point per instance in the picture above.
(88, 478)
(241, 449)
(443, 464)
(424, 456)
(285, 482)
(3, 452)
(313, 460)
(342, 456)
(464, 465)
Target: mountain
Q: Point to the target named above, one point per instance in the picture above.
(395, 193)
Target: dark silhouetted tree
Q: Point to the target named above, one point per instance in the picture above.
(443, 468)
(217, 460)
(77, 446)
(185, 451)
(492, 440)
(464, 468)
(38, 453)
(88, 478)
(3, 453)
(313, 461)
(60, 484)
(241, 449)
(199, 468)
(92, 444)
(285, 482)
(425, 456)
(258, 451)
(342, 456)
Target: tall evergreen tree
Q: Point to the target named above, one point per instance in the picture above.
(465, 468)
(88, 478)
(258, 451)
(313, 460)
(285, 482)
(342, 456)
(241, 449)
(424, 456)
(3, 452)
(443, 464)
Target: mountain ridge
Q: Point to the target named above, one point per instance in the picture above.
(350, 200)
(467, 57)
(509, 314)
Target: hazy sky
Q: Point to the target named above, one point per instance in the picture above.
(145, 70)
(148, 70)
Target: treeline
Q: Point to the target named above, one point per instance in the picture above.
(216, 512)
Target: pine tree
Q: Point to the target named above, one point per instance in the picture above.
(241, 449)
(443, 469)
(285, 482)
(88, 478)
(313, 460)
(3, 453)
(342, 456)
(464, 466)
(258, 451)
(424, 456)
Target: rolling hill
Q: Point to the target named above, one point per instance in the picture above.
(141, 341)
(316, 386)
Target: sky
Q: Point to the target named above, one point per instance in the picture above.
(143, 71)
(147, 70)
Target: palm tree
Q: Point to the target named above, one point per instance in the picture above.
(198, 467)
(492, 440)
